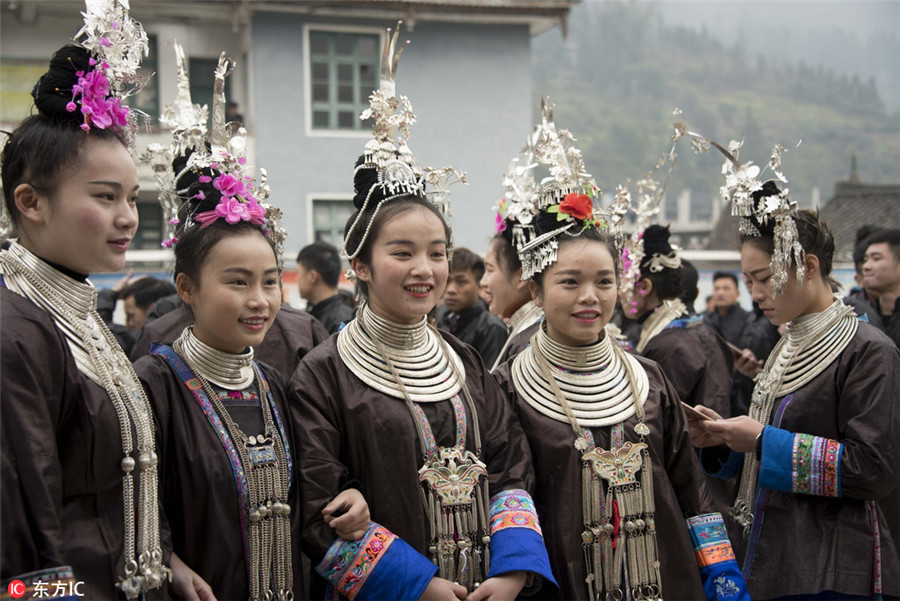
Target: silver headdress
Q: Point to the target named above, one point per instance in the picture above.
(568, 192)
(397, 171)
(649, 194)
(756, 203)
(216, 157)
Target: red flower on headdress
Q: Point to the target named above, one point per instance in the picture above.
(579, 206)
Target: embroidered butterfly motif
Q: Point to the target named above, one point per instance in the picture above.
(453, 475)
(617, 467)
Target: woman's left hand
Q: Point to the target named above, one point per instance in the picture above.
(500, 588)
(348, 514)
(739, 433)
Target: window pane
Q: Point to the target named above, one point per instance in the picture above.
(321, 214)
(318, 43)
(345, 73)
(346, 120)
(343, 45)
(345, 93)
(320, 92)
(367, 75)
(320, 119)
(320, 71)
(366, 46)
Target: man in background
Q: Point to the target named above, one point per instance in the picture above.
(465, 314)
(318, 272)
(728, 318)
(881, 278)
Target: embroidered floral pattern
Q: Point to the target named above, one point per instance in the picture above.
(513, 508)
(710, 539)
(348, 564)
(816, 465)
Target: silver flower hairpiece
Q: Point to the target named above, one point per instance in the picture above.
(742, 181)
(397, 169)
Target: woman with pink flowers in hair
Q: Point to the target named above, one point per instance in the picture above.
(79, 478)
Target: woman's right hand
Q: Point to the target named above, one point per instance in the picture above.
(700, 436)
(187, 584)
(443, 590)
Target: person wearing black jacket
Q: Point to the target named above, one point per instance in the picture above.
(318, 270)
(466, 315)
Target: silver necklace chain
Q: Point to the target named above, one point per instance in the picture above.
(72, 304)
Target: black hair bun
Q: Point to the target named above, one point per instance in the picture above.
(53, 91)
(363, 180)
(187, 178)
(544, 223)
(656, 241)
(770, 188)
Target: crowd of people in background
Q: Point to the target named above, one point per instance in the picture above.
(551, 421)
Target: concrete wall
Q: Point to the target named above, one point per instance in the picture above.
(470, 87)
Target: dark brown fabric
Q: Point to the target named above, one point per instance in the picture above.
(519, 343)
(197, 486)
(810, 543)
(61, 488)
(678, 486)
(351, 431)
(697, 363)
(293, 334)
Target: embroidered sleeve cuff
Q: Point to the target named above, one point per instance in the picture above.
(719, 571)
(56, 583)
(517, 543)
(377, 566)
(721, 462)
(800, 463)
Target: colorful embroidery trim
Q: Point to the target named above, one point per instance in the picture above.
(710, 539)
(513, 508)
(816, 466)
(348, 564)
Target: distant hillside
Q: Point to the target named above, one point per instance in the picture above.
(622, 71)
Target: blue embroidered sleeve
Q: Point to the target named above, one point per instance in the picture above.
(517, 543)
(719, 571)
(721, 463)
(800, 463)
(377, 566)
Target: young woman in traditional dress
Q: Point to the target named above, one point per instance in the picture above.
(697, 362)
(411, 412)
(818, 455)
(79, 464)
(229, 486)
(622, 499)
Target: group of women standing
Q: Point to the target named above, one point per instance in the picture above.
(392, 457)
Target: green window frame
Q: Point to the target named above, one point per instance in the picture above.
(147, 100)
(343, 72)
(152, 228)
(329, 218)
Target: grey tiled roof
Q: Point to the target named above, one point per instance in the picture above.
(854, 205)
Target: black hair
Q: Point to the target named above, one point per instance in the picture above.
(196, 242)
(147, 291)
(46, 145)
(505, 250)
(725, 275)
(666, 282)
(591, 234)
(689, 280)
(890, 237)
(466, 260)
(381, 207)
(323, 258)
(814, 235)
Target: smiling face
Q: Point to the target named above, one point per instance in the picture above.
(881, 269)
(578, 292)
(407, 273)
(88, 220)
(503, 290)
(238, 293)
